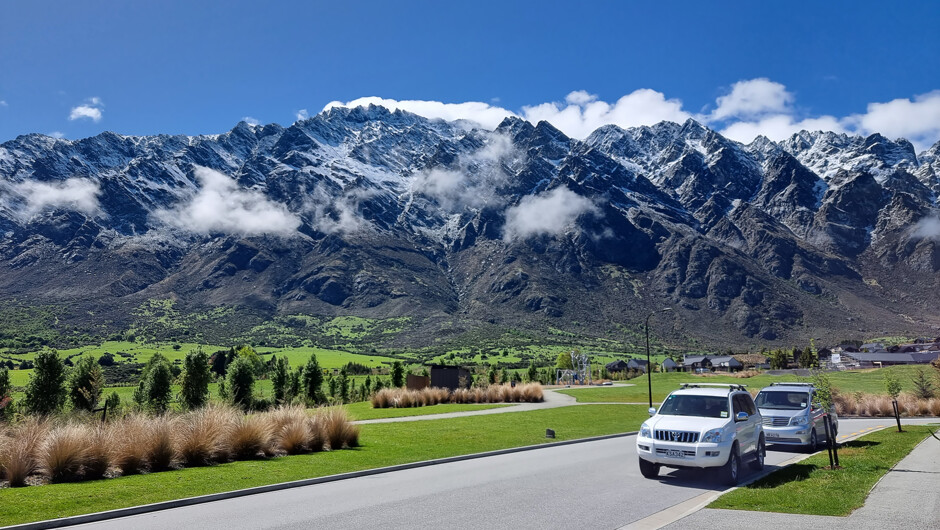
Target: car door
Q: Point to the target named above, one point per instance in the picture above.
(745, 429)
(817, 413)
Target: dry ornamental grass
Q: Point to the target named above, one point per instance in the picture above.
(403, 398)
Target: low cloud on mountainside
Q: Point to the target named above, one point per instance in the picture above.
(548, 213)
(927, 228)
(220, 206)
(752, 107)
(32, 197)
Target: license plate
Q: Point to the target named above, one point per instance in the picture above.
(674, 453)
(772, 435)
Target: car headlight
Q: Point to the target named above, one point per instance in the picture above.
(645, 431)
(799, 420)
(712, 436)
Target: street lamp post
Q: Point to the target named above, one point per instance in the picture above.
(649, 364)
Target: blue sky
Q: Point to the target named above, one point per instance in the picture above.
(76, 68)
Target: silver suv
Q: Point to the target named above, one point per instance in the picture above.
(703, 425)
(793, 415)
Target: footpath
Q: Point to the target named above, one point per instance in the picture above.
(906, 497)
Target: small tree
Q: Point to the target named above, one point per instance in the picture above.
(159, 386)
(5, 390)
(779, 360)
(504, 376)
(312, 381)
(824, 391)
(491, 375)
(85, 384)
(45, 392)
(194, 391)
(563, 362)
(343, 385)
(241, 382)
(892, 385)
(533, 373)
(398, 375)
(280, 380)
(923, 386)
(113, 403)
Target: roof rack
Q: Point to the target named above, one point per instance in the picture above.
(731, 386)
(792, 384)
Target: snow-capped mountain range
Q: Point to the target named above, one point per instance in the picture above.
(375, 213)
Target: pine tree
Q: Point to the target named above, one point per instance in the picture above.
(280, 380)
(194, 391)
(241, 382)
(398, 375)
(45, 392)
(343, 385)
(533, 373)
(313, 381)
(85, 384)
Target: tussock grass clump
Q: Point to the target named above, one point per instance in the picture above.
(338, 430)
(316, 433)
(129, 447)
(879, 405)
(161, 450)
(290, 429)
(506, 393)
(250, 437)
(64, 452)
(100, 451)
(205, 436)
(19, 453)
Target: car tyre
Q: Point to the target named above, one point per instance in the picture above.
(758, 463)
(813, 444)
(649, 469)
(732, 468)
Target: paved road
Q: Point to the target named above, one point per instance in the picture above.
(591, 485)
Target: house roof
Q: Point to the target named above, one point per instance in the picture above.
(691, 359)
(725, 360)
(669, 362)
(641, 362)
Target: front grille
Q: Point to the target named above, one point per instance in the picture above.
(676, 436)
(685, 453)
(776, 421)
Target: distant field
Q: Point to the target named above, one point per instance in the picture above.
(868, 381)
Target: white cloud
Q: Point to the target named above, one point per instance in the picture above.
(332, 215)
(752, 107)
(474, 179)
(548, 213)
(221, 206)
(91, 109)
(251, 121)
(927, 228)
(917, 120)
(753, 98)
(302, 114)
(3, 103)
(483, 113)
(80, 195)
(57, 134)
(584, 113)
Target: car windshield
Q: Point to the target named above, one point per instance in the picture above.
(690, 405)
(780, 400)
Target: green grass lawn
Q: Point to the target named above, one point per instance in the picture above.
(364, 411)
(382, 445)
(808, 488)
(869, 381)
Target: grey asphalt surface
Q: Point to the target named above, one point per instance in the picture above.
(592, 485)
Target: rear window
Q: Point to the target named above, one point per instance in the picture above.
(691, 405)
(779, 400)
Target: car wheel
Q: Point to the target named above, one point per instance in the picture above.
(813, 442)
(649, 469)
(730, 471)
(758, 463)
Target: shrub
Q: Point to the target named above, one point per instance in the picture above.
(290, 429)
(154, 389)
(336, 427)
(241, 382)
(251, 436)
(107, 359)
(113, 403)
(160, 445)
(45, 392)
(194, 386)
(398, 374)
(130, 448)
(316, 433)
(280, 380)
(100, 451)
(892, 385)
(205, 434)
(64, 452)
(85, 384)
(923, 386)
(19, 454)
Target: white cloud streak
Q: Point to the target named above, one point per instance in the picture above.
(927, 228)
(337, 215)
(78, 194)
(302, 114)
(220, 206)
(548, 213)
(91, 109)
(251, 121)
(751, 107)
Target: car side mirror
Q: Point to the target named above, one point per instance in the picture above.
(741, 416)
(652, 411)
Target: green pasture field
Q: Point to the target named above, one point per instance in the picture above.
(808, 488)
(381, 445)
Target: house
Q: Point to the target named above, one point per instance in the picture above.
(617, 366)
(638, 365)
(751, 360)
(872, 347)
(726, 363)
(871, 360)
(669, 365)
(693, 363)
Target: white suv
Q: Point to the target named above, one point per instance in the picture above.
(703, 425)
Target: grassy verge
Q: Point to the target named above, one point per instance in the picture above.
(364, 411)
(807, 488)
(382, 445)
